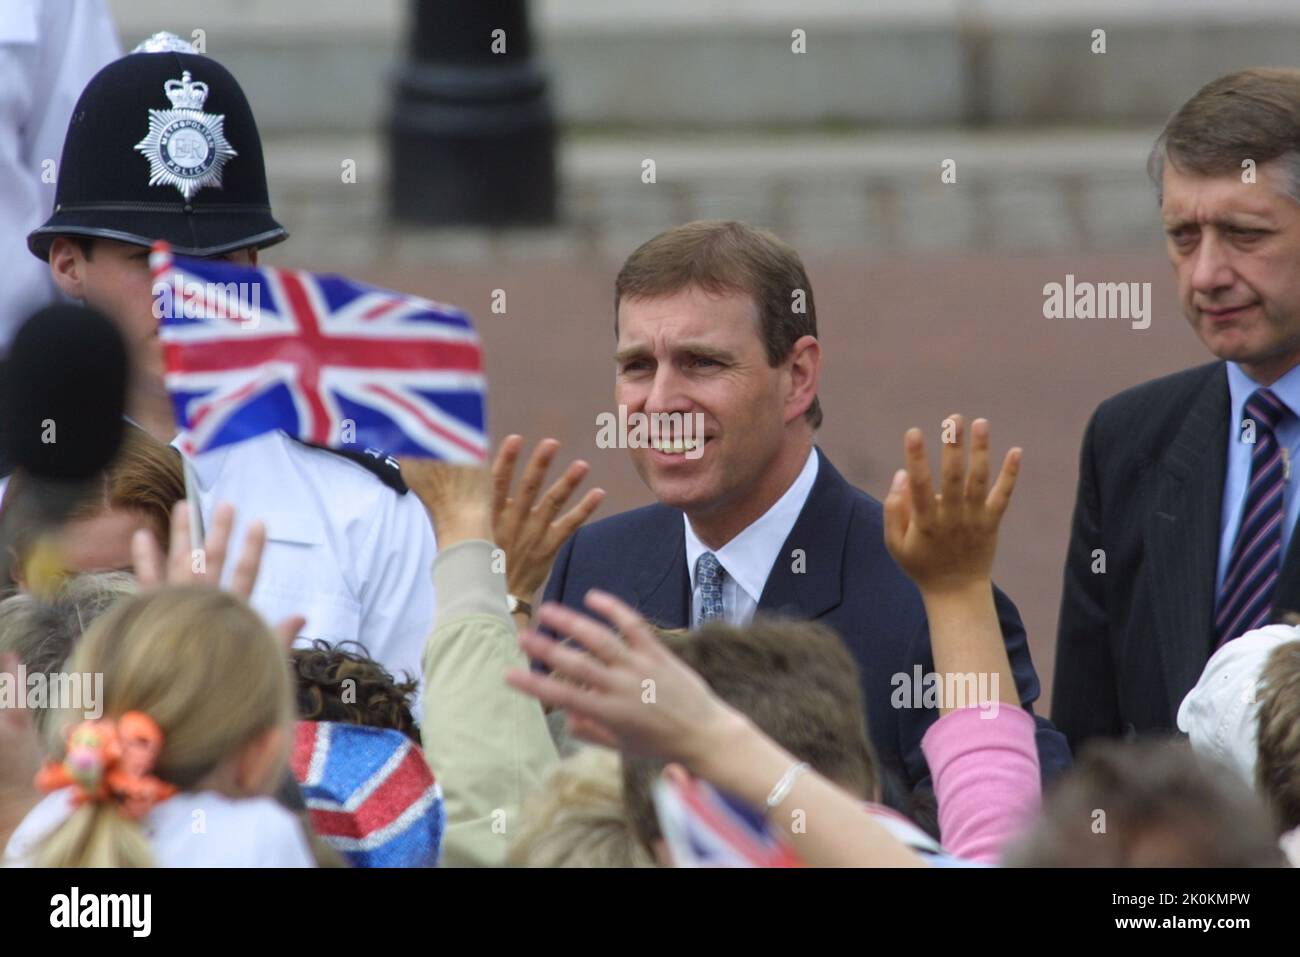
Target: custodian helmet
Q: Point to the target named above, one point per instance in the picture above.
(162, 145)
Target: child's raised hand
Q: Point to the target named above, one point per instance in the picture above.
(948, 540)
(186, 565)
(623, 689)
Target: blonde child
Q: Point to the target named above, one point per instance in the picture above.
(194, 737)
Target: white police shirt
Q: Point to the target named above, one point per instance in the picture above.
(343, 549)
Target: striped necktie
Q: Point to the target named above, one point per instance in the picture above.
(709, 575)
(1246, 598)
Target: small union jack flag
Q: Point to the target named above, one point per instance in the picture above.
(706, 828)
(326, 359)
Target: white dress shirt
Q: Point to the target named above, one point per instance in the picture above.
(49, 50)
(748, 558)
(343, 549)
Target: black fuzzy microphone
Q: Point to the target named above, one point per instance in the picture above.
(62, 398)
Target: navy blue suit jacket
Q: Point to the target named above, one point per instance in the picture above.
(849, 583)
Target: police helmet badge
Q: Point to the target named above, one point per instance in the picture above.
(186, 147)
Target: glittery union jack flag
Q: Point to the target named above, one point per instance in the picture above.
(326, 359)
(370, 794)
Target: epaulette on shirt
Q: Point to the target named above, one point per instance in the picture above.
(375, 461)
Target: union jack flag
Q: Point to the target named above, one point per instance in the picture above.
(328, 360)
(706, 828)
(370, 794)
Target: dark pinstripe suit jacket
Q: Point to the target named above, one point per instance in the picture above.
(1132, 641)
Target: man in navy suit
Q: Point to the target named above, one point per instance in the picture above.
(715, 323)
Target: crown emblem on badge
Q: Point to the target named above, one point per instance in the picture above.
(186, 147)
(185, 94)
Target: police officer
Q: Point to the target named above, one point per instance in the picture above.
(163, 145)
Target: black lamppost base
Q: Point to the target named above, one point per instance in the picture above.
(471, 135)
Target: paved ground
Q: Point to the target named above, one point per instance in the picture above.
(907, 342)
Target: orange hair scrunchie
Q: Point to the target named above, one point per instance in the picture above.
(110, 761)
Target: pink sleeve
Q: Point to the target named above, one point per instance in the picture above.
(986, 779)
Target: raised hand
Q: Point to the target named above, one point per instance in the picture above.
(527, 529)
(628, 691)
(625, 690)
(457, 498)
(948, 540)
(186, 565)
(467, 502)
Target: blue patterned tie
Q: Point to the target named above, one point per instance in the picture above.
(709, 574)
(1246, 599)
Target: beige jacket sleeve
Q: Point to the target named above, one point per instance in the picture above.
(488, 745)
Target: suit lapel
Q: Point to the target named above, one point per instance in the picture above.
(662, 585)
(1182, 537)
(805, 580)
